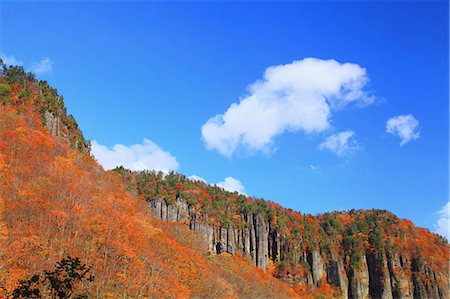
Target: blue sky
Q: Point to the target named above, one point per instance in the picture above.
(163, 71)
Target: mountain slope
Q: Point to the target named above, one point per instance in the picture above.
(146, 234)
(56, 201)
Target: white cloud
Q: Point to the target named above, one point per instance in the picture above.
(147, 155)
(300, 96)
(10, 60)
(314, 167)
(231, 184)
(443, 223)
(44, 66)
(403, 126)
(341, 144)
(196, 178)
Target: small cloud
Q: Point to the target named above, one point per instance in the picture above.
(9, 60)
(299, 96)
(315, 168)
(145, 156)
(45, 66)
(443, 224)
(403, 126)
(196, 178)
(231, 184)
(341, 144)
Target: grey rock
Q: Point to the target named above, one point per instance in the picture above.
(359, 282)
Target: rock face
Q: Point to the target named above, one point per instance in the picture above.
(379, 276)
(401, 286)
(317, 267)
(359, 281)
(375, 276)
(52, 124)
(57, 128)
(336, 274)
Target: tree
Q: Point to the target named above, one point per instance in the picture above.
(61, 282)
(28, 288)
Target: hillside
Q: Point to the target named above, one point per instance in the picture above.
(356, 254)
(146, 234)
(56, 201)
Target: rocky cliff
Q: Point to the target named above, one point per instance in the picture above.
(376, 274)
(23, 91)
(359, 254)
(62, 130)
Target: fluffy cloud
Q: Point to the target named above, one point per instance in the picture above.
(143, 156)
(44, 66)
(229, 183)
(196, 178)
(10, 60)
(232, 184)
(403, 126)
(341, 144)
(300, 96)
(443, 224)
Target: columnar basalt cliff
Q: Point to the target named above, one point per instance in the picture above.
(375, 276)
(360, 254)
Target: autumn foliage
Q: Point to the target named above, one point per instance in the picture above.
(351, 234)
(57, 202)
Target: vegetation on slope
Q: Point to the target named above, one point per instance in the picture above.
(350, 234)
(23, 91)
(58, 202)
